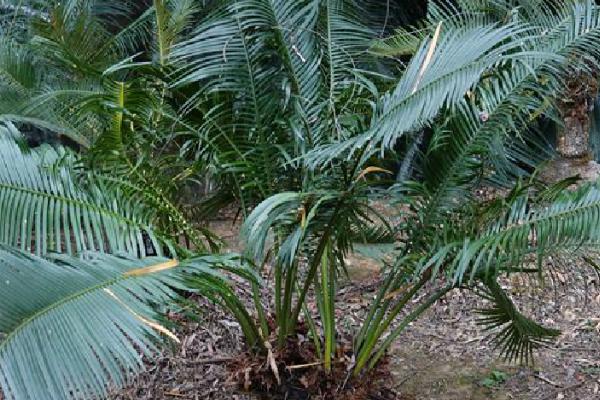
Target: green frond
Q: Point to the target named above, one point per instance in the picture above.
(455, 162)
(568, 32)
(171, 19)
(295, 23)
(225, 54)
(73, 44)
(523, 228)
(516, 335)
(279, 209)
(490, 129)
(86, 324)
(404, 42)
(45, 208)
(133, 37)
(346, 41)
(19, 69)
(232, 46)
(428, 85)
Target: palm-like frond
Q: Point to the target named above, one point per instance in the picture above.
(565, 32)
(278, 210)
(74, 43)
(286, 76)
(86, 324)
(455, 161)
(440, 74)
(525, 227)
(501, 108)
(517, 336)
(68, 8)
(476, 246)
(18, 69)
(44, 206)
(344, 40)
(237, 31)
(295, 23)
(405, 42)
(22, 75)
(172, 18)
(229, 59)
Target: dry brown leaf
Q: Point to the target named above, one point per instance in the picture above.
(368, 170)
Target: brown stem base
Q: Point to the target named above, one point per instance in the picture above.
(302, 377)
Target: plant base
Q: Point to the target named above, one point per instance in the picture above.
(303, 378)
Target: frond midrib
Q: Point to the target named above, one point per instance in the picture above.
(423, 88)
(46, 310)
(85, 205)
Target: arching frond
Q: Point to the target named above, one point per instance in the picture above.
(524, 228)
(502, 107)
(276, 210)
(517, 336)
(45, 208)
(439, 75)
(86, 324)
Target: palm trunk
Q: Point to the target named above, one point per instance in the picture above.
(575, 108)
(573, 138)
(572, 144)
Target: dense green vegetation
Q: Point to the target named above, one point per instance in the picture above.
(302, 113)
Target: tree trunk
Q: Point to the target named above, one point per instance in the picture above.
(575, 108)
(573, 138)
(572, 143)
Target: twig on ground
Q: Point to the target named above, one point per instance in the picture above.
(175, 394)
(564, 389)
(548, 381)
(291, 367)
(218, 360)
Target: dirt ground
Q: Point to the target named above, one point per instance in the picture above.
(443, 356)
